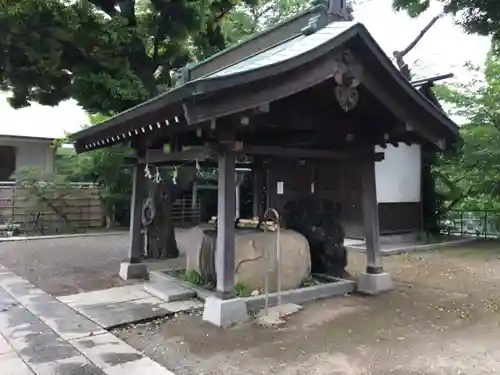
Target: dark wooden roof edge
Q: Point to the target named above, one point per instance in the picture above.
(157, 101)
(203, 86)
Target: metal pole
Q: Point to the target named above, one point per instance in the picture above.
(278, 260)
(485, 223)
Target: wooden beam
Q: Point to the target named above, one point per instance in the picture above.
(255, 94)
(159, 157)
(305, 153)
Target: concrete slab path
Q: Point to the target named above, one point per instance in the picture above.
(117, 306)
(41, 335)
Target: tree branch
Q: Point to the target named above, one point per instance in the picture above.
(399, 55)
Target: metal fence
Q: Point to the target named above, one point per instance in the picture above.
(479, 223)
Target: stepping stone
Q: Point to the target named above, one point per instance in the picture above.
(169, 291)
(104, 297)
(183, 306)
(116, 314)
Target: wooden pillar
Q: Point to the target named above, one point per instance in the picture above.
(370, 218)
(226, 208)
(136, 237)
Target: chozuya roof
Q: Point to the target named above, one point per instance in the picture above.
(301, 48)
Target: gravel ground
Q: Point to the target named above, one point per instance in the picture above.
(68, 265)
(441, 319)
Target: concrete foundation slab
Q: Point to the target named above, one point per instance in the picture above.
(303, 295)
(373, 284)
(169, 291)
(223, 313)
(130, 271)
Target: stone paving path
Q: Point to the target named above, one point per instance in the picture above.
(116, 306)
(41, 335)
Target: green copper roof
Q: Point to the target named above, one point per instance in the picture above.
(294, 47)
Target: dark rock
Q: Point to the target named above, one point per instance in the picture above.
(319, 221)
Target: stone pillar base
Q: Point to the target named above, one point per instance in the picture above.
(223, 313)
(130, 271)
(373, 284)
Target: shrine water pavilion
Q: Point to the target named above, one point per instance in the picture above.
(306, 103)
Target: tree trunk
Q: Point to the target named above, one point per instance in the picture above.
(157, 215)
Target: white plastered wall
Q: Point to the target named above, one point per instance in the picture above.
(31, 152)
(398, 176)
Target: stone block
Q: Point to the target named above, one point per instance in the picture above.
(223, 313)
(106, 350)
(141, 366)
(11, 364)
(77, 365)
(129, 271)
(4, 346)
(113, 315)
(183, 306)
(35, 348)
(169, 291)
(373, 284)
(104, 297)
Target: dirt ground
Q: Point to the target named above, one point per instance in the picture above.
(68, 265)
(442, 318)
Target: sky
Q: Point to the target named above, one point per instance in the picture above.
(444, 49)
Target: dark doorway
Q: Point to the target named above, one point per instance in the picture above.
(7, 162)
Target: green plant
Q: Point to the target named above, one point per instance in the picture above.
(310, 281)
(242, 290)
(193, 277)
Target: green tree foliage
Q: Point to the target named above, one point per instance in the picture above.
(248, 19)
(470, 178)
(476, 16)
(105, 167)
(109, 55)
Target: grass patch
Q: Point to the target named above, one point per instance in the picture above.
(242, 290)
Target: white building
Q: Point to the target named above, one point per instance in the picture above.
(27, 134)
